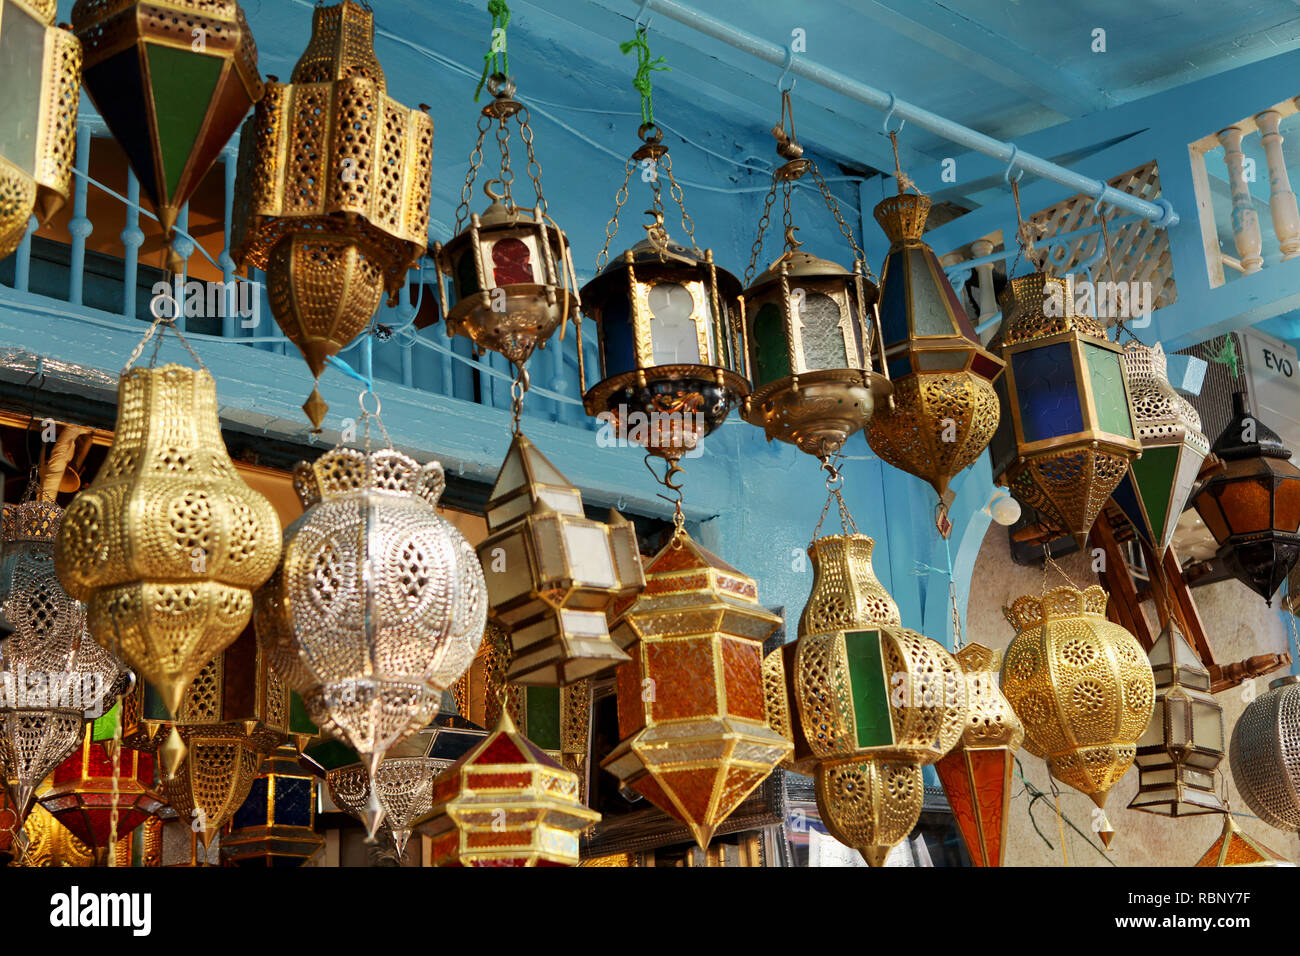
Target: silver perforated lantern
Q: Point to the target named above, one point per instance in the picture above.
(378, 604)
(1265, 754)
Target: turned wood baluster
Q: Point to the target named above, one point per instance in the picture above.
(1245, 221)
(1281, 200)
(985, 299)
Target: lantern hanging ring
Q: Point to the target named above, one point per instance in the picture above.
(889, 114)
(494, 196)
(361, 400)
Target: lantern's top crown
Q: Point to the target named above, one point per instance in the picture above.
(1063, 602)
(344, 471)
(32, 521)
(902, 217)
(800, 264)
(1232, 443)
(43, 10)
(1039, 305)
(342, 47)
(977, 657)
(1171, 650)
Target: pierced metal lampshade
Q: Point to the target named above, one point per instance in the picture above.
(173, 80)
(40, 71)
(275, 825)
(333, 190)
(379, 603)
(1265, 754)
(1253, 507)
(1185, 741)
(1066, 434)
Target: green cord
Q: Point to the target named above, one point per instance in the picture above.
(644, 65)
(495, 60)
(1226, 354)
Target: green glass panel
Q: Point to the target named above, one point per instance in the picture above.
(870, 688)
(154, 708)
(22, 48)
(771, 352)
(542, 710)
(1108, 391)
(1155, 474)
(183, 85)
(299, 722)
(332, 754)
(105, 725)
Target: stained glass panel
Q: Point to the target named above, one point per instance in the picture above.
(1047, 392)
(823, 340)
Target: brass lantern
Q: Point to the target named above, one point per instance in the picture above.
(692, 716)
(333, 190)
(173, 80)
(944, 410)
(552, 572)
(1067, 432)
(1265, 754)
(1159, 485)
(275, 825)
(1081, 686)
(671, 361)
(506, 803)
(1185, 741)
(1253, 507)
(40, 72)
(379, 603)
(167, 543)
(1235, 848)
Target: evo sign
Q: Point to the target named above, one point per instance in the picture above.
(1273, 370)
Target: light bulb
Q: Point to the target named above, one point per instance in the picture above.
(1006, 511)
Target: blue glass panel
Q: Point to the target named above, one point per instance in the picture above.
(893, 302)
(1047, 392)
(619, 342)
(293, 801)
(252, 812)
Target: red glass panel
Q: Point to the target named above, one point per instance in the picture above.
(511, 261)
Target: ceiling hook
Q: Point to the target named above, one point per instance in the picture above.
(889, 114)
(637, 25)
(785, 71)
(1011, 164)
(1096, 207)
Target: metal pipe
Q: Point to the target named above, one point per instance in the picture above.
(1161, 212)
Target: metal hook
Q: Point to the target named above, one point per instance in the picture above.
(785, 71)
(1012, 165)
(889, 114)
(1096, 207)
(641, 11)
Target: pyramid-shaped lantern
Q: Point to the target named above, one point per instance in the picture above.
(691, 706)
(173, 80)
(1236, 848)
(552, 572)
(944, 410)
(1157, 488)
(1185, 741)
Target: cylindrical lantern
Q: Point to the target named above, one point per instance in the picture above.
(379, 602)
(333, 190)
(275, 825)
(1158, 486)
(944, 409)
(1265, 754)
(552, 572)
(41, 72)
(1081, 686)
(1066, 435)
(691, 712)
(167, 543)
(1253, 507)
(506, 803)
(173, 80)
(1185, 741)
(976, 774)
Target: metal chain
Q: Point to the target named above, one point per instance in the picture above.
(507, 174)
(675, 189)
(835, 482)
(839, 220)
(534, 167)
(787, 220)
(757, 250)
(611, 227)
(669, 481)
(159, 323)
(475, 161)
(518, 389)
(1120, 325)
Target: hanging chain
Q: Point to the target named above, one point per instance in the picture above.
(763, 221)
(1120, 325)
(675, 189)
(157, 328)
(518, 389)
(611, 227)
(507, 174)
(787, 220)
(475, 161)
(669, 481)
(534, 167)
(845, 231)
(834, 484)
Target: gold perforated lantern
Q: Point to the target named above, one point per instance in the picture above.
(40, 72)
(809, 329)
(333, 190)
(275, 825)
(1265, 754)
(379, 603)
(1081, 686)
(1185, 741)
(1067, 433)
(173, 80)
(691, 709)
(944, 409)
(552, 572)
(167, 543)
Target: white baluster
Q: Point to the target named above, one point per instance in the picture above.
(1281, 200)
(1245, 221)
(80, 226)
(985, 299)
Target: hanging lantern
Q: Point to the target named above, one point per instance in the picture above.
(10, 827)
(40, 70)
(379, 602)
(167, 543)
(846, 592)
(1253, 507)
(275, 825)
(1067, 433)
(506, 803)
(1185, 741)
(1235, 848)
(976, 774)
(945, 409)
(333, 190)
(1159, 485)
(1081, 686)
(692, 718)
(47, 844)
(1265, 754)
(552, 572)
(1292, 600)
(173, 80)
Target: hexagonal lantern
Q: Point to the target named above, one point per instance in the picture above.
(552, 572)
(275, 825)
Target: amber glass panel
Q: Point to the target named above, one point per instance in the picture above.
(1247, 505)
(1207, 506)
(1286, 507)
